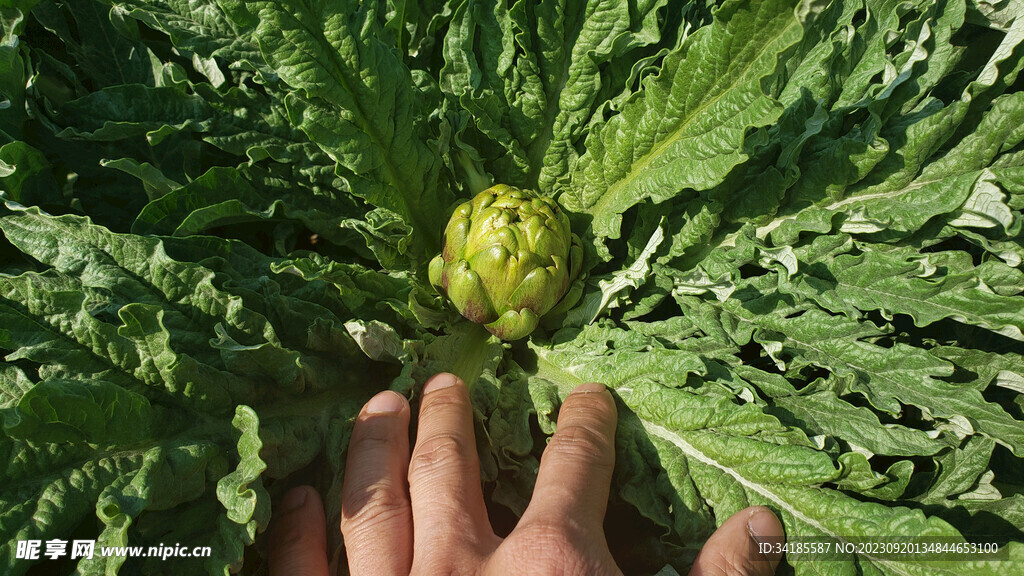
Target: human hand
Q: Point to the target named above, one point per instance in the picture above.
(425, 513)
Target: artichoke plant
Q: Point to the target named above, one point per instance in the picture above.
(508, 257)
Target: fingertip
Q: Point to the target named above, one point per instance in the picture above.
(441, 381)
(590, 404)
(599, 394)
(747, 544)
(589, 388)
(299, 538)
(296, 507)
(763, 525)
(295, 498)
(386, 402)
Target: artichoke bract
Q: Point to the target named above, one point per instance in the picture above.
(508, 258)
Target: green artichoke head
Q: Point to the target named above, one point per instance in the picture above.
(508, 258)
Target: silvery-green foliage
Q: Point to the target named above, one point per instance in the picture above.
(802, 274)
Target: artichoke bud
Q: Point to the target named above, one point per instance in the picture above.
(508, 257)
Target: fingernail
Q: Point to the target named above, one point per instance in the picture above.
(589, 388)
(294, 499)
(763, 527)
(385, 402)
(440, 381)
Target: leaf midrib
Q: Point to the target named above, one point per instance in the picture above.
(692, 452)
(598, 207)
(537, 150)
(953, 313)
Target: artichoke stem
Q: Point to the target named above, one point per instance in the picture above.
(470, 362)
(476, 178)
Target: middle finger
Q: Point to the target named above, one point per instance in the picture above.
(449, 516)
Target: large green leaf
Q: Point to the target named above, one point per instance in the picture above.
(687, 128)
(125, 369)
(727, 454)
(355, 99)
(531, 77)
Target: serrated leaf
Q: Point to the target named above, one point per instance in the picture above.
(711, 91)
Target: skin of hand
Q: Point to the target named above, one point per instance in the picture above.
(423, 513)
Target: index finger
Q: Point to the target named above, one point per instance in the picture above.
(576, 469)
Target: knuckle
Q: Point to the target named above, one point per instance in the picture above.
(442, 567)
(597, 408)
(582, 443)
(436, 451)
(452, 399)
(370, 436)
(556, 550)
(551, 547)
(368, 509)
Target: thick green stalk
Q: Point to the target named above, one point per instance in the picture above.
(468, 365)
(477, 179)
